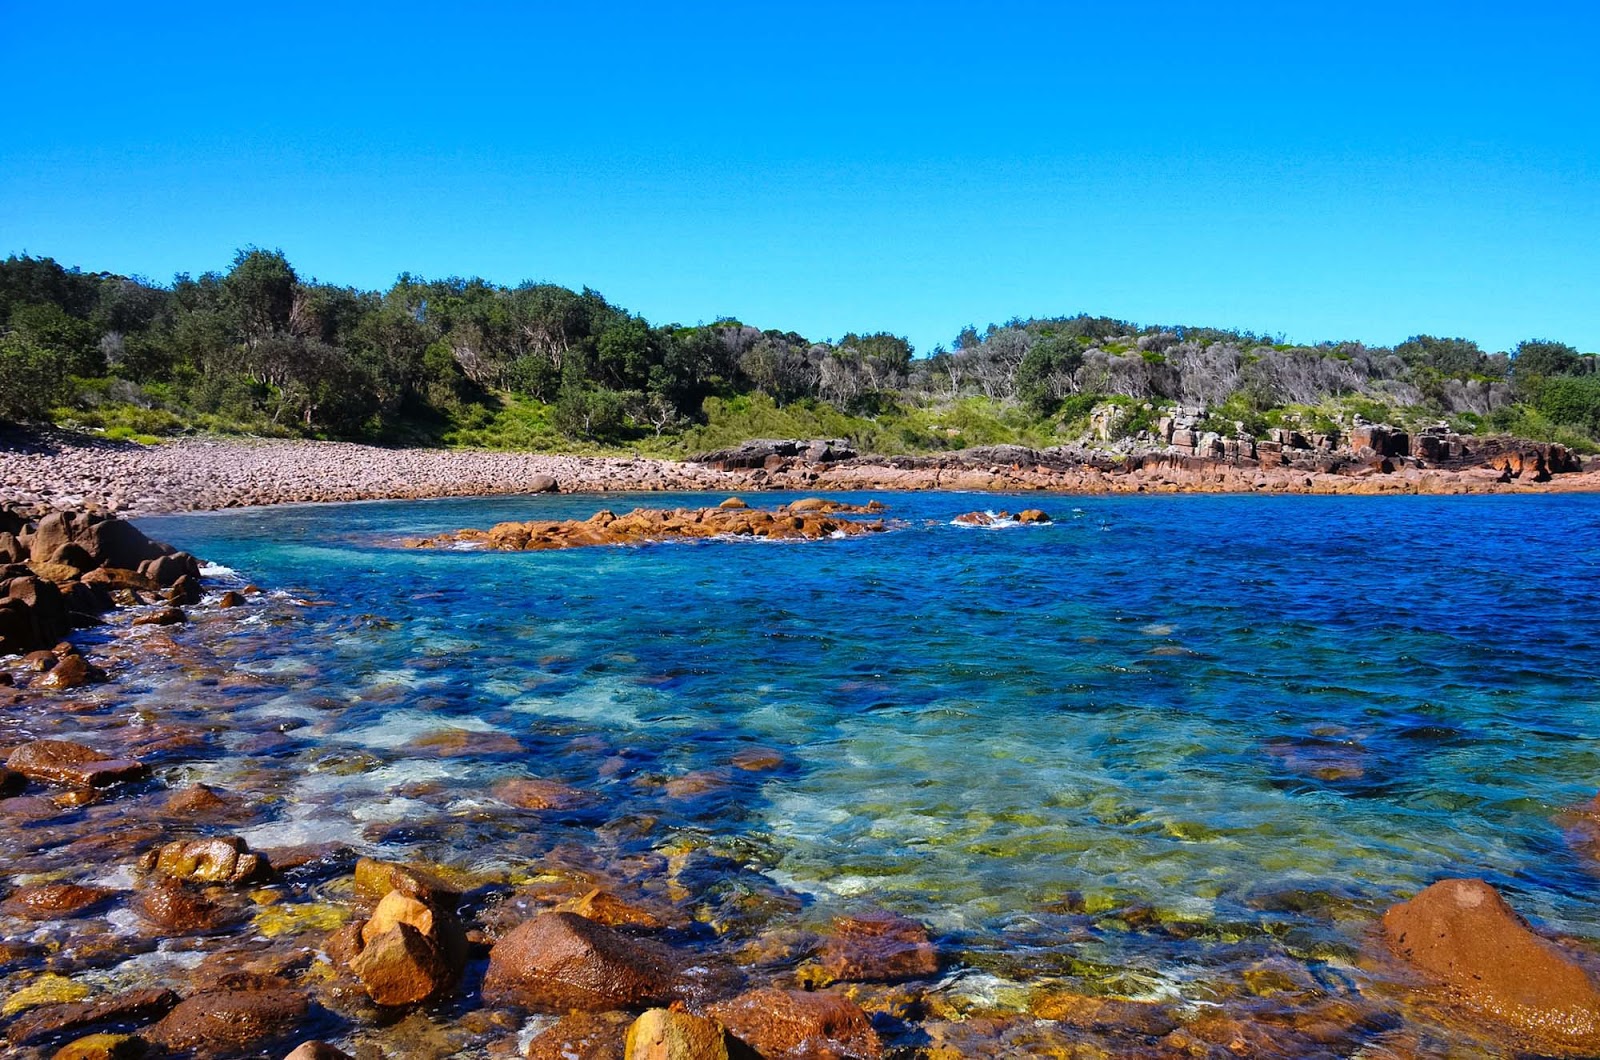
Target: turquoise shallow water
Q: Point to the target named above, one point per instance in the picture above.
(1256, 720)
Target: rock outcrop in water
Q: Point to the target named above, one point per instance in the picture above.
(60, 570)
(809, 519)
(1462, 935)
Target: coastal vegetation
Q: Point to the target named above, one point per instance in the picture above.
(258, 349)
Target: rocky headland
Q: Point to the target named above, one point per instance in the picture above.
(65, 470)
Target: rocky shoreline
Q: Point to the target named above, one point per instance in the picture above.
(63, 470)
(114, 855)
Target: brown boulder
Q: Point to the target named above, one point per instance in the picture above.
(396, 908)
(230, 599)
(73, 671)
(115, 542)
(50, 901)
(52, 1021)
(796, 1024)
(401, 966)
(102, 1047)
(879, 946)
(374, 879)
(1032, 515)
(531, 793)
(560, 961)
(317, 1051)
(167, 616)
(61, 762)
(186, 590)
(178, 910)
(581, 1036)
(223, 1022)
(221, 859)
(674, 1034)
(1463, 935)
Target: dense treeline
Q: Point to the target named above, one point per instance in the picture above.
(259, 348)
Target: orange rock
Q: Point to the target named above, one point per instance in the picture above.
(879, 946)
(1463, 935)
(796, 1024)
(560, 961)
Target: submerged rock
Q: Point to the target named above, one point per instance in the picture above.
(564, 961)
(582, 1036)
(63, 762)
(51, 901)
(796, 1024)
(224, 1022)
(879, 946)
(1462, 935)
(221, 859)
(52, 1021)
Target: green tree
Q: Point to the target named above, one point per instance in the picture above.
(1538, 358)
(33, 377)
(260, 291)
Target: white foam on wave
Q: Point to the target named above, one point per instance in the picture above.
(400, 727)
(608, 701)
(217, 570)
(995, 523)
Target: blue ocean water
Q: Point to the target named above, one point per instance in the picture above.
(1254, 720)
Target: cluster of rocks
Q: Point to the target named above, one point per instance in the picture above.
(1026, 517)
(776, 452)
(62, 570)
(808, 519)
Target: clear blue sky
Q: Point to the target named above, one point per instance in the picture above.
(1325, 170)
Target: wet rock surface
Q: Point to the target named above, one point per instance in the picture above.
(1463, 935)
(560, 961)
(809, 519)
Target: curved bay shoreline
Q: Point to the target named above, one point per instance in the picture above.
(202, 474)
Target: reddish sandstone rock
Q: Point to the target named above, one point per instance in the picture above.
(231, 1021)
(72, 671)
(51, 901)
(531, 793)
(374, 879)
(220, 859)
(879, 946)
(102, 1047)
(167, 616)
(62, 762)
(1032, 515)
(562, 961)
(53, 1021)
(1463, 935)
(397, 908)
(582, 1036)
(401, 966)
(196, 800)
(799, 1025)
(811, 519)
(178, 910)
(1148, 1018)
(757, 759)
(317, 1051)
(608, 909)
(674, 1034)
(230, 599)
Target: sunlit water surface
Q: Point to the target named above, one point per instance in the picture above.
(1187, 710)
